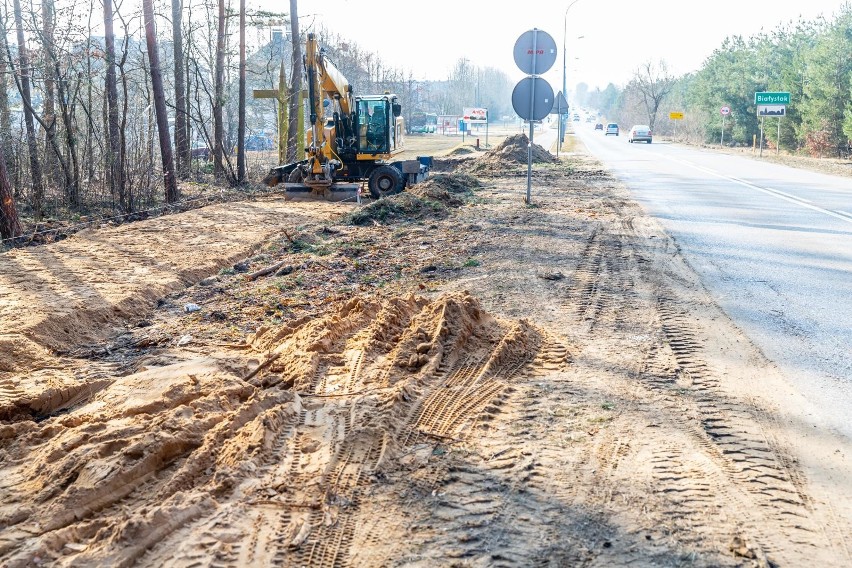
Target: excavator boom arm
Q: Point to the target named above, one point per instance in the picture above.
(325, 81)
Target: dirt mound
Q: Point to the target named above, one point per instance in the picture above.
(17, 352)
(405, 205)
(461, 151)
(84, 288)
(264, 451)
(449, 189)
(452, 163)
(508, 155)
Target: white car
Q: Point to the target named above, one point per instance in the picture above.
(640, 133)
(611, 128)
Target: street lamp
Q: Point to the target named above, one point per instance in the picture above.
(564, 67)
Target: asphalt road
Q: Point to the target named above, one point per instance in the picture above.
(773, 245)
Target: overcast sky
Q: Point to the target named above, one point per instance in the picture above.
(429, 36)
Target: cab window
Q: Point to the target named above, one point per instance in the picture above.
(373, 129)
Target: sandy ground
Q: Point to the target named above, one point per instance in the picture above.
(449, 377)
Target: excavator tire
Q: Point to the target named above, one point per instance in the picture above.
(384, 181)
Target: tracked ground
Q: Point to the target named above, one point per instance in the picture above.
(472, 383)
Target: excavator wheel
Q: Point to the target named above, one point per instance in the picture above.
(384, 181)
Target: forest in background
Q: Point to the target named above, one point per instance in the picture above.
(812, 60)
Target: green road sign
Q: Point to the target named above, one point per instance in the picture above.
(772, 98)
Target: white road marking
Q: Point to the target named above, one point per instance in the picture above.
(802, 199)
(774, 192)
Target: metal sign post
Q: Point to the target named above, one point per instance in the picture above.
(778, 138)
(725, 110)
(771, 104)
(532, 98)
(532, 124)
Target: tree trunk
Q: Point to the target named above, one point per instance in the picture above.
(219, 98)
(9, 225)
(89, 142)
(72, 170)
(181, 136)
(241, 119)
(24, 89)
(295, 107)
(51, 159)
(160, 103)
(122, 118)
(115, 173)
(5, 115)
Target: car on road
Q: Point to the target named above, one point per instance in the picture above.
(200, 151)
(640, 133)
(599, 126)
(611, 128)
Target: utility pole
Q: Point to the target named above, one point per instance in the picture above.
(564, 74)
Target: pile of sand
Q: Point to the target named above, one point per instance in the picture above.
(512, 152)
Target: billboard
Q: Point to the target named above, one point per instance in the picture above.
(475, 115)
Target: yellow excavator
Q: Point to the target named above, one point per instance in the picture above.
(351, 139)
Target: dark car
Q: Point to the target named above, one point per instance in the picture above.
(200, 151)
(599, 126)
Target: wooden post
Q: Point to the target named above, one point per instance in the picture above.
(279, 95)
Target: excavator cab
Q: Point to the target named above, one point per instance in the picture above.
(378, 131)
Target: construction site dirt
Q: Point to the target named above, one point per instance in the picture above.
(446, 377)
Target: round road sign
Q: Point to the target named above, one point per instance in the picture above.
(725, 110)
(535, 52)
(532, 98)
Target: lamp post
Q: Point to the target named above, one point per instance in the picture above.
(564, 66)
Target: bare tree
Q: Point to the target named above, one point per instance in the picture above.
(115, 171)
(294, 108)
(160, 102)
(219, 96)
(654, 83)
(67, 91)
(24, 89)
(59, 91)
(51, 158)
(5, 115)
(241, 118)
(181, 131)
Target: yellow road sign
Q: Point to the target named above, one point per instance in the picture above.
(676, 115)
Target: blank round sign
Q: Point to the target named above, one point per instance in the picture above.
(532, 98)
